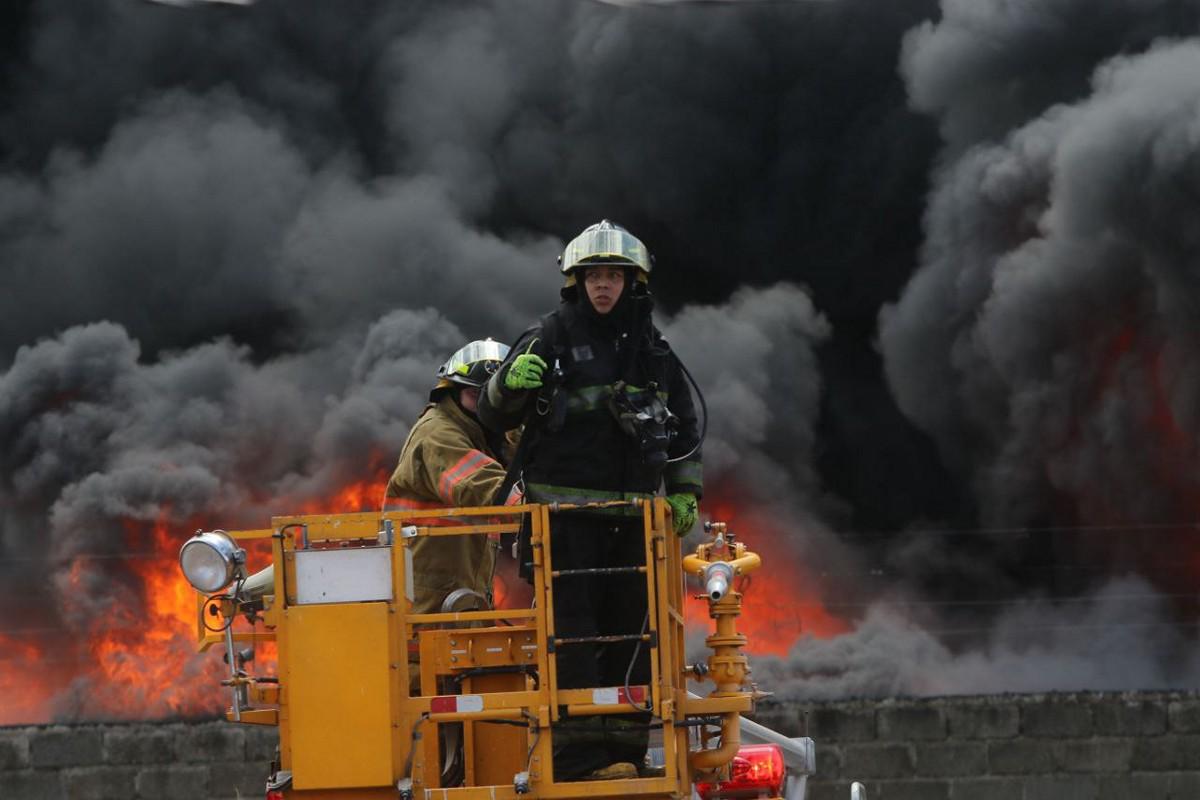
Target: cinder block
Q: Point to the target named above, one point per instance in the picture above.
(1019, 757)
(1135, 787)
(261, 741)
(909, 790)
(99, 783)
(1181, 786)
(140, 744)
(211, 741)
(1184, 715)
(1093, 755)
(42, 785)
(65, 747)
(1165, 753)
(828, 790)
(912, 723)
(861, 761)
(988, 789)
(14, 750)
(1057, 719)
(1129, 718)
(983, 722)
(952, 759)
(829, 761)
(842, 724)
(785, 719)
(1079, 787)
(237, 780)
(177, 783)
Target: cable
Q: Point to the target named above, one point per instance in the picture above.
(992, 603)
(1098, 627)
(632, 661)
(703, 411)
(1182, 527)
(1135, 527)
(537, 735)
(933, 631)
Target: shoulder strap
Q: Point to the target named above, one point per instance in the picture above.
(552, 332)
(552, 338)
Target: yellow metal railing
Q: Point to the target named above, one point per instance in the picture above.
(524, 641)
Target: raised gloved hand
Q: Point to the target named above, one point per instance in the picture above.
(683, 508)
(525, 372)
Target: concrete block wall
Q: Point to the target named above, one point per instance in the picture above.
(1085, 746)
(179, 761)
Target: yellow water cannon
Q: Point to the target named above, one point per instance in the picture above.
(716, 563)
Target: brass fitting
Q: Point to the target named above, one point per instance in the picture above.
(717, 563)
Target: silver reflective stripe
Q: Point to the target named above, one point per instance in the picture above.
(590, 398)
(685, 472)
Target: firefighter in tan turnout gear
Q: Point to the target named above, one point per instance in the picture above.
(450, 460)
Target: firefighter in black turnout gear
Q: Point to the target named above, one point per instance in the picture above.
(608, 415)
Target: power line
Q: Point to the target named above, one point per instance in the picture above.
(1182, 527)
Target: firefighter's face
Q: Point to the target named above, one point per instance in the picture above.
(604, 286)
(469, 398)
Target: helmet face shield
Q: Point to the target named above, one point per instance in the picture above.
(474, 363)
(606, 243)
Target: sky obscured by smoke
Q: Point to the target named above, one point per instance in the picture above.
(932, 265)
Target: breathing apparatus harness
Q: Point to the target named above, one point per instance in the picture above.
(641, 412)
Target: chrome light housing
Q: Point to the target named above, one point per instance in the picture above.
(211, 560)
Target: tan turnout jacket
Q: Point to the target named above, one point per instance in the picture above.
(446, 462)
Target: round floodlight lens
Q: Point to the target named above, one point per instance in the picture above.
(208, 561)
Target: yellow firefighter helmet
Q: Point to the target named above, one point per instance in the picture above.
(471, 365)
(605, 243)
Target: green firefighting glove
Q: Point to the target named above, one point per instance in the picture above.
(525, 372)
(683, 508)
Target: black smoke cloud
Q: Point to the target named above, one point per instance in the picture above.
(985, 69)
(1047, 341)
(235, 244)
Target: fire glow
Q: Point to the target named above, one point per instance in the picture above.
(139, 660)
(136, 661)
(780, 601)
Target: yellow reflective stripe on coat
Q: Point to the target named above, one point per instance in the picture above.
(592, 398)
(687, 472)
(465, 467)
(548, 493)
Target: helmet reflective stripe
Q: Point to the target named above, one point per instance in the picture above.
(606, 243)
(480, 350)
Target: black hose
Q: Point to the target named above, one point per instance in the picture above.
(703, 411)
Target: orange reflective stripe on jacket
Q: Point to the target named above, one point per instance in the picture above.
(464, 468)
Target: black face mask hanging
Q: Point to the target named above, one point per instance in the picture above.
(641, 413)
(645, 418)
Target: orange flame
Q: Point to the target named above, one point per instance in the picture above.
(365, 495)
(28, 688)
(139, 660)
(780, 600)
